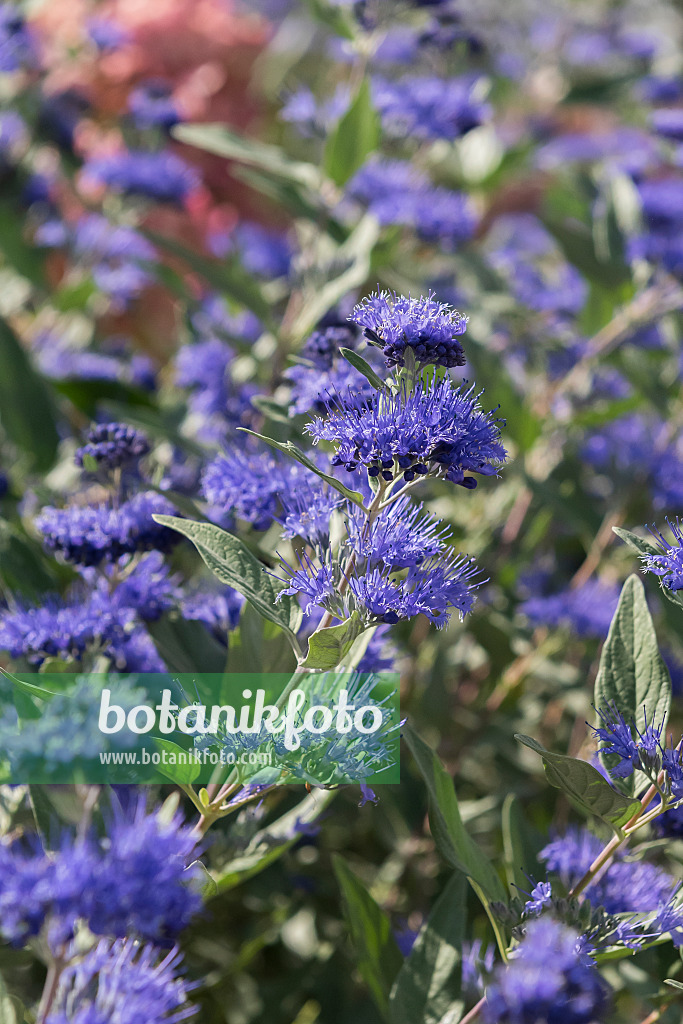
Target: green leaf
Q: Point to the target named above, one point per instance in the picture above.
(327, 647)
(585, 786)
(289, 448)
(229, 278)
(232, 562)
(428, 985)
(184, 774)
(270, 843)
(379, 958)
(632, 674)
(27, 410)
(354, 137)
(521, 844)
(271, 160)
(452, 838)
(638, 544)
(30, 689)
(359, 364)
(186, 645)
(11, 1010)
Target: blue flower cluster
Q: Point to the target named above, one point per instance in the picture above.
(122, 982)
(437, 429)
(88, 536)
(550, 979)
(112, 445)
(430, 328)
(138, 881)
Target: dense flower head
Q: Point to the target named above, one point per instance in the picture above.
(152, 106)
(161, 176)
(548, 980)
(264, 252)
(625, 887)
(90, 535)
(219, 609)
(112, 445)
(135, 881)
(400, 536)
(435, 589)
(397, 193)
(148, 590)
(668, 565)
(587, 609)
(427, 107)
(639, 751)
(117, 255)
(430, 328)
(60, 629)
(122, 982)
(316, 583)
(438, 428)
(306, 511)
(244, 484)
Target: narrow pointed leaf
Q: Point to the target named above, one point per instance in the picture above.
(289, 448)
(584, 785)
(429, 984)
(360, 364)
(232, 562)
(452, 838)
(378, 956)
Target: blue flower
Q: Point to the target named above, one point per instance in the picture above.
(116, 255)
(90, 535)
(587, 610)
(669, 564)
(548, 980)
(670, 919)
(122, 983)
(540, 897)
(430, 328)
(438, 429)
(244, 484)
(152, 105)
(106, 34)
(148, 590)
(400, 536)
(617, 736)
(671, 762)
(263, 252)
(316, 582)
(397, 193)
(625, 887)
(61, 629)
(219, 610)
(113, 445)
(427, 107)
(160, 176)
(435, 589)
(307, 510)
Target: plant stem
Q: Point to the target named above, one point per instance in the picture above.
(54, 973)
(474, 1012)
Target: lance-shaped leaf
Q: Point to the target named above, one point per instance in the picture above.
(232, 562)
(328, 647)
(27, 410)
(354, 137)
(360, 364)
(429, 983)
(585, 786)
(632, 674)
(453, 840)
(379, 958)
(289, 448)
